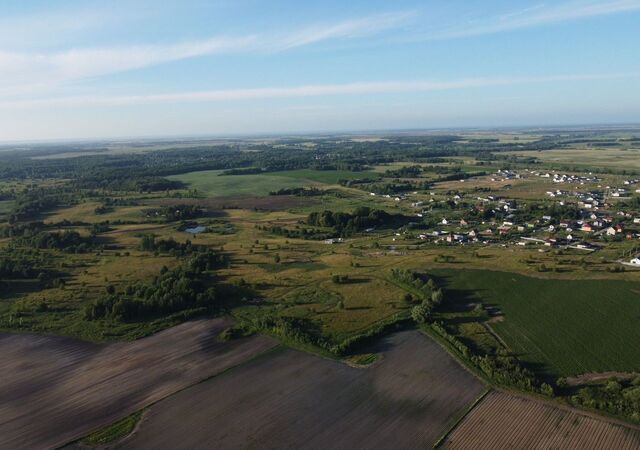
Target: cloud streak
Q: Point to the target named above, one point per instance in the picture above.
(536, 16)
(319, 90)
(45, 69)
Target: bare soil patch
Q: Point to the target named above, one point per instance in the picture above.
(506, 421)
(55, 390)
(289, 399)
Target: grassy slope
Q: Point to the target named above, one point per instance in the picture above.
(566, 327)
(212, 184)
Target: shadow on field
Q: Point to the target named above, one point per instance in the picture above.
(355, 281)
(292, 399)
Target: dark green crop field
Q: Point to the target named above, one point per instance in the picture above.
(561, 327)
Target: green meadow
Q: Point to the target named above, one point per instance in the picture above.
(212, 184)
(559, 327)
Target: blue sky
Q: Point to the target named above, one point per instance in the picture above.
(137, 68)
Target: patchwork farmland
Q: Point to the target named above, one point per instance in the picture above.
(294, 400)
(522, 266)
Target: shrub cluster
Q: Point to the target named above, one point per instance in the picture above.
(621, 398)
(502, 369)
(185, 288)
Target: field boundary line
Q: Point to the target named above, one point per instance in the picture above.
(144, 409)
(460, 359)
(553, 401)
(457, 421)
(496, 336)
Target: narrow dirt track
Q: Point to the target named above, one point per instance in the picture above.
(55, 390)
(290, 399)
(506, 421)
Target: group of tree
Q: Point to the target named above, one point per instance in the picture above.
(427, 293)
(345, 224)
(413, 171)
(31, 203)
(500, 367)
(149, 243)
(297, 232)
(188, 287)
(298, 192)
(617, 397)
(396, 187)
(175, 212)
(18, 266)
(69, 241)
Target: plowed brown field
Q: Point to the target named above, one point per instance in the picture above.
(505, 421)
(54, 390)
(290, 399)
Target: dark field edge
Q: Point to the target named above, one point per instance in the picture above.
(152, 327)
(455, 354)
(556, 401)
(456, 421)
(78, 444)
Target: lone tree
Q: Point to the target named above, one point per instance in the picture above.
(421, 313)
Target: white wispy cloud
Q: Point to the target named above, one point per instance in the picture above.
(355, 28)
(317, 90)
(51, 68)
(538, 15)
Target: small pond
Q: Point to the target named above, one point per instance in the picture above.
(196, 230)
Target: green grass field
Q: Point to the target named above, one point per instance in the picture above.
(561, 327)
(5, 207)
(615, 158)
(326, 176)
(210, 183)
